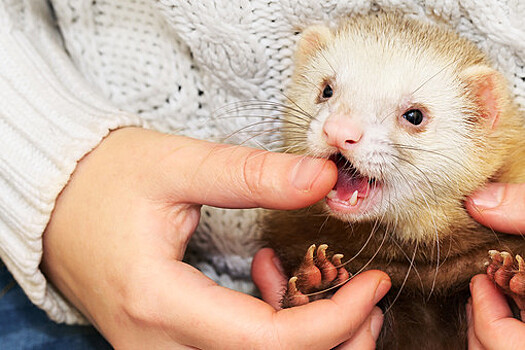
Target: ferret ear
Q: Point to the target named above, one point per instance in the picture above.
(312, 39)
(488, 87)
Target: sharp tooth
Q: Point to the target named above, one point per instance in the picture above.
(353, 199)
(331, 194)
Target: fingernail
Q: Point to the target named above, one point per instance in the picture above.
(490, 197)
(305, 172)
(376, 323)
(382, 289)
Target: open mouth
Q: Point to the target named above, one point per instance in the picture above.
(353, 193)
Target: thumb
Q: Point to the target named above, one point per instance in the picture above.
(500, 207)
(492, 317)
(231, 176)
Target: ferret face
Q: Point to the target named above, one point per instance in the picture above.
(395, 117)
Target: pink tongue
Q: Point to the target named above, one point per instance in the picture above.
(346, 185)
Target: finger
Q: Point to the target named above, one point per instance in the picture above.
(366, 336)
(240, 177)
(319, 325)
(339, 317)
(268, 276)
(487, 300)
(492, 318)
(472, 340)
(500, 207)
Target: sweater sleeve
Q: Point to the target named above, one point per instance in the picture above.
(49, 119)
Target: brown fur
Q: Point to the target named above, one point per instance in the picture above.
(429, 313)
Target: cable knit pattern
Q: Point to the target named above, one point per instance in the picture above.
(49, 119)
(180, 65)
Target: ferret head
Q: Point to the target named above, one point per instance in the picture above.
(409, 112)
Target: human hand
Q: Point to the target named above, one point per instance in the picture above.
(491, 325)
(269, 277)
(119, 230)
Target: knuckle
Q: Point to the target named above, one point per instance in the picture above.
(275, 337)
(139, 309)
(254, 172)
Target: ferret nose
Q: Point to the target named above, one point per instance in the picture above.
(342, 132)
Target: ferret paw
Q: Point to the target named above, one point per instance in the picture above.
(508, 274)
(314, 275)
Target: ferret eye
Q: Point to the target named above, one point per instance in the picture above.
(414, 116)
(327, 91)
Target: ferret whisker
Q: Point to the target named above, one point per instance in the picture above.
(374, 229)
(450, 243)
(301, 120)
(413, 148)
(436, 231)
(246, 129)
(437, 245)
(411, 261)
(299, 108)
(323, 224)
(284, 149)
(404, 280)
(432, 77)
(334, 72)
(424, 175)
(278, 146)
(313, 84)
(246, 136)
(269, 106)
(388, 115)
(259, 123)
(374, 255)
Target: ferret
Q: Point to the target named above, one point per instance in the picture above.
(416, 119)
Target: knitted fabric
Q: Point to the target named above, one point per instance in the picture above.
(180, 65)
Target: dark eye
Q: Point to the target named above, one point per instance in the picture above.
(414, 116)
(328, 92)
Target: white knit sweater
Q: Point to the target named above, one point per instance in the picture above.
(71, 73)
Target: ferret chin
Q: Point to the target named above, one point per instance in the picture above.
(415, 119)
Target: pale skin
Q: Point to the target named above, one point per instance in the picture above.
(115, 241)
(491, 325)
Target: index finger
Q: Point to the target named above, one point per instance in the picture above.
(231, 176)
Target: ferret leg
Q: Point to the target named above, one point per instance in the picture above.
(508, 274)
(315, 274)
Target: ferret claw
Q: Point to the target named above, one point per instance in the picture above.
(336, 260)
(315, 274)
(292, 286)
(495, 255)
(321, 251)
(309, 257)
(293, 296)
(508, 274)
(507, 259)
(521, 263)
